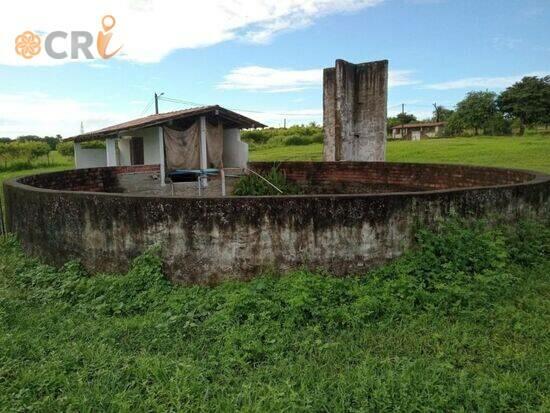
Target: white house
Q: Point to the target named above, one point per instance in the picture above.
(198, 138)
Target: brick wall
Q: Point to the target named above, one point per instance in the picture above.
(90, 180)
(340, 177)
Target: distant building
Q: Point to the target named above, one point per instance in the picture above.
(417, 131)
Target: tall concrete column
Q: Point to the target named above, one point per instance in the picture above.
(355, 98)
(203, 153)
(76, 149)
(162, 160)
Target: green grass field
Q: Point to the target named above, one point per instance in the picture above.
(458, 324)
(529, 152)
(57, 163)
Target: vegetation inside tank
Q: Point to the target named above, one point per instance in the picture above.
(274, 182)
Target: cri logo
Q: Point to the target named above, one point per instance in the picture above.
(28, 44)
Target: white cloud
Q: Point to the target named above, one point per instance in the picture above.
(151, 29)
(266, 79)
(498, 82)
(506, 43)
(401, 78)
(39, 114)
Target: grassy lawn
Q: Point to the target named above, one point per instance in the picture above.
(460, 324)
(313, 152)
(529, 152)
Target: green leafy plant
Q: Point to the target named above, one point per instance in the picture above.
(66, 148)
(253, 185)
(455, 324)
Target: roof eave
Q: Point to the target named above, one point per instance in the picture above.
(241, 121)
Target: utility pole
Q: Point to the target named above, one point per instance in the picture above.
(81, 127)
(284, 123)
(157, 96)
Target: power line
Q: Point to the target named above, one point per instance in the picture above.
(146, 108)
(191, 103)
(186, 102)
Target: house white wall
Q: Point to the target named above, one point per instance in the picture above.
(89, 158)
(235, 152)
(150, 145)
(124, 151)
(151, 149)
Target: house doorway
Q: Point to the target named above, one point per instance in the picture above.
(137, 156)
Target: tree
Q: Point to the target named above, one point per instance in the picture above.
(405, 118)
(66, 148)
(401, 119)
(5, 154)
(32, 149)
(11, 151)
(498, 125)
(455, 126)
(527, 100)
(441, 113)
(52, 141)
(29, 138)
(476, 110)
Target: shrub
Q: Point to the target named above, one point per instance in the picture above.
(457, 324)
(93, 145)
(255, 136)
(26, 149)
(253, 185)
(498, 126)
(66, 148)
(277, 135)
(318, 137)
(297, 140)
(455, 126)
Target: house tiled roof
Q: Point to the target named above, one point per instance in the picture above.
(153, 120)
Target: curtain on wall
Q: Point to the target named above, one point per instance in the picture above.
(182, 148)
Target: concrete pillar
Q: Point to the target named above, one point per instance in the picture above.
(203, 154)
(355, 111)
(160, 132)
(110, 147)
(76, 149)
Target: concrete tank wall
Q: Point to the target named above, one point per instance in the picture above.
(206, 240)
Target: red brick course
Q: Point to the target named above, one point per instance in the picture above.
(89, 180)
(417, 177)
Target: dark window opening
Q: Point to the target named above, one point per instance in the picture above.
(136, 151)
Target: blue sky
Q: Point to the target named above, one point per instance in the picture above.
(263, 56)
